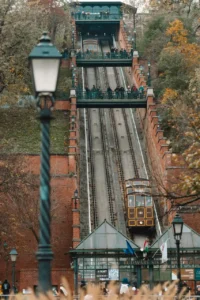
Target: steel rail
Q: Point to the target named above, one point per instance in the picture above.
(105, 145)
(135, 167)
(92, 170)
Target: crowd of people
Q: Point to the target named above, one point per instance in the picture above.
(118, 93)
(114, 53)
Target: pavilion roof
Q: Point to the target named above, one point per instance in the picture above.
(190, 239)
(105, 237)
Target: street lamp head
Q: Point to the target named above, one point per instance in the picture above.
(13, 255)
(76, 194)
(149, 64)
(45, 63)
(73, 119)
(134, 31)
(177, 227)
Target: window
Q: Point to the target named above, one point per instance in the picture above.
(149, 201)
(101, 263)
(129, 190)
(89, 275)
(131, 201)
(140, 200)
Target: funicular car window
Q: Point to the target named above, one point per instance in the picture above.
(148, 201)
(129, 190)
(137, 183)
(140, 200)
(131, 201)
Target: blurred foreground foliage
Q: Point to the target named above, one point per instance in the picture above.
(96, 291)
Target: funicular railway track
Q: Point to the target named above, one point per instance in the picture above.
(114, 113)
(124, 111)
(94, 168)
(105, 145)
(94, 216)
(124, 155)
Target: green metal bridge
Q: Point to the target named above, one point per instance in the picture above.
(98, 99)
(109, 59)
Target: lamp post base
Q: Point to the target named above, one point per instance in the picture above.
(44, 256)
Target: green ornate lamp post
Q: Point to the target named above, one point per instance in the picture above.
(45, 63)
(149, 75)
(13, 256)
(178, 229)
(73, 76)
(135, 39)
(73, 37)
(75, 197)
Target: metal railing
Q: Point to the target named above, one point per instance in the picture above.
(101, 16)
(110, 95)
(103, 55)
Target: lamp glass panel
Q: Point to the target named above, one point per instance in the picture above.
(45, 72)
(13, 257)
(177, 228)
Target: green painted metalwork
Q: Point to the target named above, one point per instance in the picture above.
(103, 55)
(45, 49)
(44, 253)
(87, 16)
(120, 95)
(104, 63)
(111, 103)
(96, 59)
(121, 99)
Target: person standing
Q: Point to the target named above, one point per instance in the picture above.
(109, 91)
(124, 288)
(6, 287)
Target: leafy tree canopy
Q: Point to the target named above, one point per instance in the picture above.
(21, 25)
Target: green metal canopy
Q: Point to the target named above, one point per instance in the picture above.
(104, 238)
(190, 239)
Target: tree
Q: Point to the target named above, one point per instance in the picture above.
(20, 27)
(19, 198)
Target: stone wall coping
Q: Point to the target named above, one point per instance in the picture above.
(75, 210)
(150, 92)
(135, 54)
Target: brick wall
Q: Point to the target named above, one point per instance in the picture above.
(63, 185)
(62, 191)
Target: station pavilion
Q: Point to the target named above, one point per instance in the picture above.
(101, 257)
